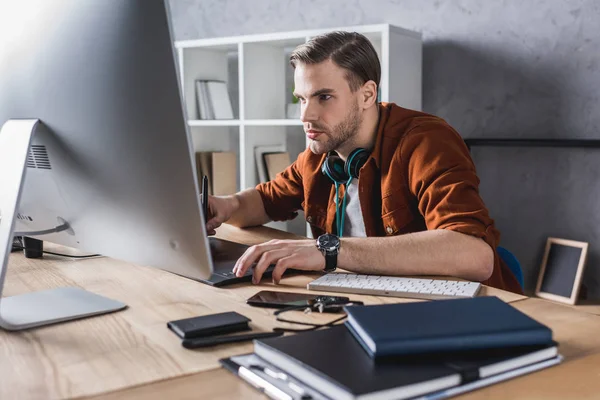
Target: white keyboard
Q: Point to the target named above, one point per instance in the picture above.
(395, 286)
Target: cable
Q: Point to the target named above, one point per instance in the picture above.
(62, 255)
(319, 306)
(56, 229)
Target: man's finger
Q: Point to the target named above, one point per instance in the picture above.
(265, 260)
(250, 256)
(281, 266)
(213, 224)
(251, 253)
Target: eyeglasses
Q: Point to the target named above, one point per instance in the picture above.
(321, 307)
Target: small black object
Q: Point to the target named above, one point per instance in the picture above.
(195, 343)
(17, 245)
(209, 325)
(34, 248)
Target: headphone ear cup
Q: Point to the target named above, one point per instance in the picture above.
(334, 168)
(357, 159)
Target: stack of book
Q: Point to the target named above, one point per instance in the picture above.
(212, 99)
(429, 350)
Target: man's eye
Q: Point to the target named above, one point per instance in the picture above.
(324, 97)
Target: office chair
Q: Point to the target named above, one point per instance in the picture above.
(512, 262)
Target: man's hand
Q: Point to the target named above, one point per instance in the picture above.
(297, 254)
(220, 209)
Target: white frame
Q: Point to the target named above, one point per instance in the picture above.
(578, 276)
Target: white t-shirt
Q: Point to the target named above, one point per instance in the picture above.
(354, 225)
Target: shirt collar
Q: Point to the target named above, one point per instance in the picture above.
(384, 113)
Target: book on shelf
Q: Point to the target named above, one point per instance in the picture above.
(212, 100)
(221, 170)
(276, 163)
(259, 152)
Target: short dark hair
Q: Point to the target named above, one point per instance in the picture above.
(349, 50)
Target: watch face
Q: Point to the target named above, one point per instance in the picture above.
(329, 242)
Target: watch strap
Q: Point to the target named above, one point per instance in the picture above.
(330, 260)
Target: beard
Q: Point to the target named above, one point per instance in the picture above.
(339, 135)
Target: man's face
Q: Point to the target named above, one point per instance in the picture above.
(329, 110)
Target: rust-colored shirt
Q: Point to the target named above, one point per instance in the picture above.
(419, 176)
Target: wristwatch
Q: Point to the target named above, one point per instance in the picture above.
(330, 247)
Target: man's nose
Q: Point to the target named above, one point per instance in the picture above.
(308, 112)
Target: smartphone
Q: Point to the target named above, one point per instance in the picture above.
(273, 299)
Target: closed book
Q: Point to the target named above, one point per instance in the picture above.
(332, 362)
(224, 167)
(276, 163)
(219, 98)
(443, 326)
(259, 152)
(202, 101)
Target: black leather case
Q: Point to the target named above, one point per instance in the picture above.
(209, 325)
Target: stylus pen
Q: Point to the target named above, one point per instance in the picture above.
(205, 197)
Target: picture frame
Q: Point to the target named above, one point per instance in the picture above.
(561, 270)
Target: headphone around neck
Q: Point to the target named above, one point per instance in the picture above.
(342, 173)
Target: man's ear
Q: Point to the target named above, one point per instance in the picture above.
(368, 94)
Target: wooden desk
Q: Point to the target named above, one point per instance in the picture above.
(130, 348)
(588, 306)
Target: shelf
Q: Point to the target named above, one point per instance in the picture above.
(578, 143)
(213, 122)
(292, 36)
(272, 122)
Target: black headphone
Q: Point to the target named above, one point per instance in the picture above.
(341, 173)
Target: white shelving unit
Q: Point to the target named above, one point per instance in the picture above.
(260, 81)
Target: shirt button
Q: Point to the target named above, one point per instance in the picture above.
(389, 230)
(309, 219)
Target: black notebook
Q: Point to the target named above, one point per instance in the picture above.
(443, 325)
(332, 362)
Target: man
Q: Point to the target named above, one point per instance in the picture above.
(412, 206)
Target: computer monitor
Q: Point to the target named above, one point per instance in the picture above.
(92, 118)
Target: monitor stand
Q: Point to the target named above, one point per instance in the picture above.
(49, 306)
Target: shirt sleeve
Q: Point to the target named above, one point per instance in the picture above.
(442, 176)
(283, 196)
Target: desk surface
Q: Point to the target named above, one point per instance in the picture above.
(115, 352)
